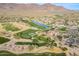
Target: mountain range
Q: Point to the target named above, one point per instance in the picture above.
(30, 9)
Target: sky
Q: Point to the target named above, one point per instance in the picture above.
(71, 6)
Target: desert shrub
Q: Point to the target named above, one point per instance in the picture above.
(62, 28)
(64, 48)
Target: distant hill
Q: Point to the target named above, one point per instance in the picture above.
(30, 9)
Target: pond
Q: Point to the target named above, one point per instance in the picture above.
(39, 23)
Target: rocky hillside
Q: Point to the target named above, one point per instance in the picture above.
(31, 9)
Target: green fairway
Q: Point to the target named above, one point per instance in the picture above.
(7, 53)
(34, 25)
(9, 27)
(4, 40)
(30, 43)
(43, 54)
(39, 41)
(27, 34)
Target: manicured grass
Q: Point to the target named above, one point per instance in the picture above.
(7, 53)
(44, 39)
(34, 25)
(9, 27)
(39, 41)
(43, 54)
(27, 34)
(36, 40)
(62, 28)
(4, 40)
(30, 43)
